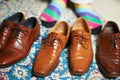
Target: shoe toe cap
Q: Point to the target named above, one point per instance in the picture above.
(111, 69)
(40, 71)
(79, 70)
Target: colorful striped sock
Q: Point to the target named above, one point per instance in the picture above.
(85, 11)
(52, 13)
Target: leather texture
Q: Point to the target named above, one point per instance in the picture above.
(7, 25)
(108, 56)
(48, 56)
(81, 53)
(20, 41)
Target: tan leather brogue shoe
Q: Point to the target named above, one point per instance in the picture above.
(81, 53)
(20, 41)
(48, 56)
(7, 25)
(108, 56)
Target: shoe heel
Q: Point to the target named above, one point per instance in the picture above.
(38, 34)
(37, 37)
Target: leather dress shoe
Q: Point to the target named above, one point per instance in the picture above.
(7, 25)
(20, 41)
(108, 56)
(81, 53)
(48, 56)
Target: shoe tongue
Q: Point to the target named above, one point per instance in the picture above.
(23, 27)
(56, 35)
(78, 31)
(8, 22)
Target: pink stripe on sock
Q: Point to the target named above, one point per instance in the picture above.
(94, 25)
(65, 1)
(47, 17)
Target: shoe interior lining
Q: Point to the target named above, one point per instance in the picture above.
(16, 17)
(30, 22)
(111, 28)
(80, 25)
(62, 29)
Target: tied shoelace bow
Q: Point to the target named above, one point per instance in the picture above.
(3, 28)
(53, 42)
(82, 39)
(17, 32)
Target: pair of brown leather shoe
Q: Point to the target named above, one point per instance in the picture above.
(81, 48)
(108, 56)
(16, 38)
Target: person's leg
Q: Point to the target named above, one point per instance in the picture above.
(85, 10)
(53, 12)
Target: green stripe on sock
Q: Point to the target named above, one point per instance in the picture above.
(52, 13)
(92, 19)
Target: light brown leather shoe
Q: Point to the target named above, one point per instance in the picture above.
(108, 56)
(20, 41)
(81, 53)
(48, 56)
(7, 25)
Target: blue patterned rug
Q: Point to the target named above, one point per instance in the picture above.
(23, 69)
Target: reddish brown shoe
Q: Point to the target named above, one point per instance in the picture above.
(108, 56)
(48, 56)
(81, 53)
(20, 41)
(7, 25)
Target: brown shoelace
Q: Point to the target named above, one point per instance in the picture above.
(53, 42)
(117, 41)
(17, 32)
(82, 39)
(4, 27)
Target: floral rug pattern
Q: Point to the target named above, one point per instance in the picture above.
(23, 69)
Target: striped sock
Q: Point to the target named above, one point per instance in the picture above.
(52, 13)
(85, 11)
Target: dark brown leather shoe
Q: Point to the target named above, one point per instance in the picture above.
(20, 41)
(81, 53)
(48, 56)
(7, 25)
(108, 56)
